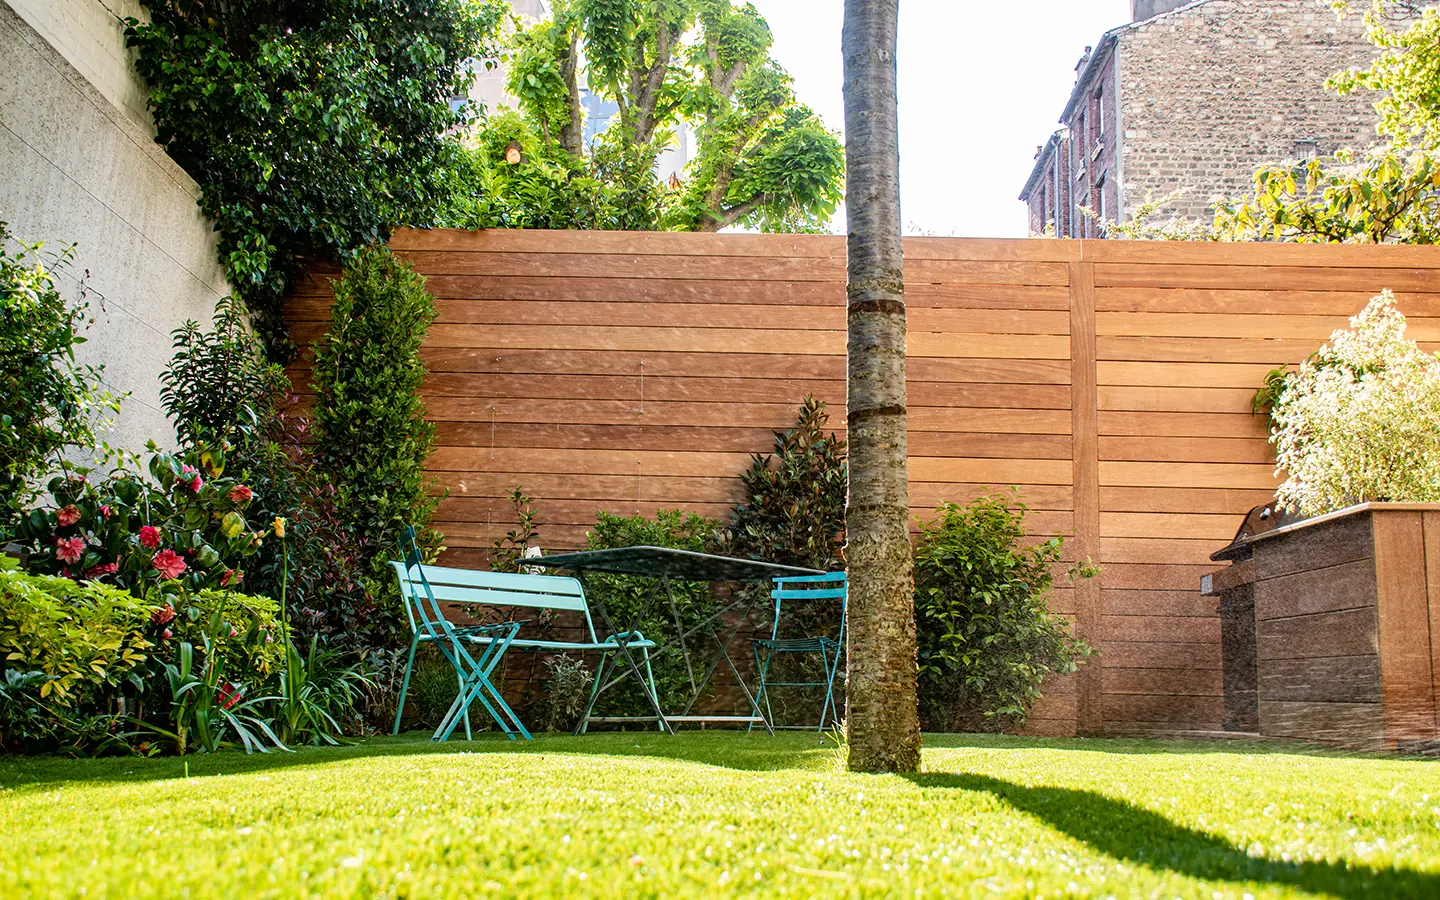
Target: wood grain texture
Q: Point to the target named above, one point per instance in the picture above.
(1109, 381)
(1085, 475)
(1403, 607)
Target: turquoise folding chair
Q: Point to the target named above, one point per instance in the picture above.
(429, 625)
(830, 586)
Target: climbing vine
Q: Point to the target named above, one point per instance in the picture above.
(313, 127)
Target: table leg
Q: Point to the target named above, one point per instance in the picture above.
(624, 649)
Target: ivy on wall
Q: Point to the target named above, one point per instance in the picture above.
(313, 127)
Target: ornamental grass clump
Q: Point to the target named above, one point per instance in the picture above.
(1360, 420)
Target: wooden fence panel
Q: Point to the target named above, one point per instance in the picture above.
(1110, 382)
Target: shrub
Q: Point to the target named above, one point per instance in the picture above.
(48, 401)
(794, 510)
(625, 596)
(219, 387)
(986, 638)
(83, 637)
(1360, 420)
(373, 436)
(184, 528)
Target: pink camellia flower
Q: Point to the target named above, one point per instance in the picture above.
(106, 512)
(233, 632)
(169, 564)
(149, 536)
(68, 515)
(69, 549)
(163, 616)
(228, 694)
(167, 634)
(240, 494)
(101, 571)
(195, 481)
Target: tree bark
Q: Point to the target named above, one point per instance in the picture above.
(572, 131)
(882, 719)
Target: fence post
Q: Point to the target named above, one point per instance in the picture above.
(1085, 457)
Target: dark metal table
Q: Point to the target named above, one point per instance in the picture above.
(666, 564)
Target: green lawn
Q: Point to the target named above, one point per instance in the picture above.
(705, 814)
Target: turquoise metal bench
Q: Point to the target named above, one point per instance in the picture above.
(426, 587)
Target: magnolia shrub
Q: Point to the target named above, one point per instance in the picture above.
(1360, 420)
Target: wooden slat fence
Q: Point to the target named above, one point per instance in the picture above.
(1109, 381)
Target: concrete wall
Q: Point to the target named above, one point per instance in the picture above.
(78, 165)
(1213, 90)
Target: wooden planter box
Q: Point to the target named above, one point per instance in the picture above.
(1347, 627)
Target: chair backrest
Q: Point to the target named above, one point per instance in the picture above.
(800, 588)
(425, 587)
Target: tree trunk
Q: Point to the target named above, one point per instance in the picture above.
(882, 720)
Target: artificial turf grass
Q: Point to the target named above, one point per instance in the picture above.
(701, 814)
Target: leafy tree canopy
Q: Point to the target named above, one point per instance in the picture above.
(312, 126)
(761, 159)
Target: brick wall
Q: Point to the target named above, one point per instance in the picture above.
(1211, 91)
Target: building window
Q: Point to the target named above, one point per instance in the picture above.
(1101, 203)
(1100, 114)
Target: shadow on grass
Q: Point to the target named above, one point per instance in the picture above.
(728, 749)
(1137, 835)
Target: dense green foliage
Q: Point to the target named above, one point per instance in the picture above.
(372, 434)
(313, 127)
(986, 637)
(760, 159)
(716, 814)
(220, 389)
(626, 597)
(89, 668)
(48, 401)
(185, 527)
(794, 509)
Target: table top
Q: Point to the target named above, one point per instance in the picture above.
(667, 562)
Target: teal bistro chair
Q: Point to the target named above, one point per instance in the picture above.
(803, 589)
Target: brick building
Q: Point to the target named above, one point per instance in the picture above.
(1195, 95)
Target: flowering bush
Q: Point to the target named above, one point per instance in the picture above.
(1360, 420)
(185, 528)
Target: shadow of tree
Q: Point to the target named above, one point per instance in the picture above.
(1137, 835)
(752, 753)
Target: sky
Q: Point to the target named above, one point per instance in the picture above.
(982, 84)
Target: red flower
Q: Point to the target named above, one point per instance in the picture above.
(228, 694)
(101, 571)
(106, 512)
(163, 616)
(240, 494)
(194, 482)
(167, 634)
(169, 564)
(69, 549)
(68, 516)
(149, 536)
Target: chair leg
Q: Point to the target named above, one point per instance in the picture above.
(405, 682)
(601, 673)
(460, 683)
(829, 677)
(650, 686)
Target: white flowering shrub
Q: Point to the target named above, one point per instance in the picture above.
(1360, 420)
